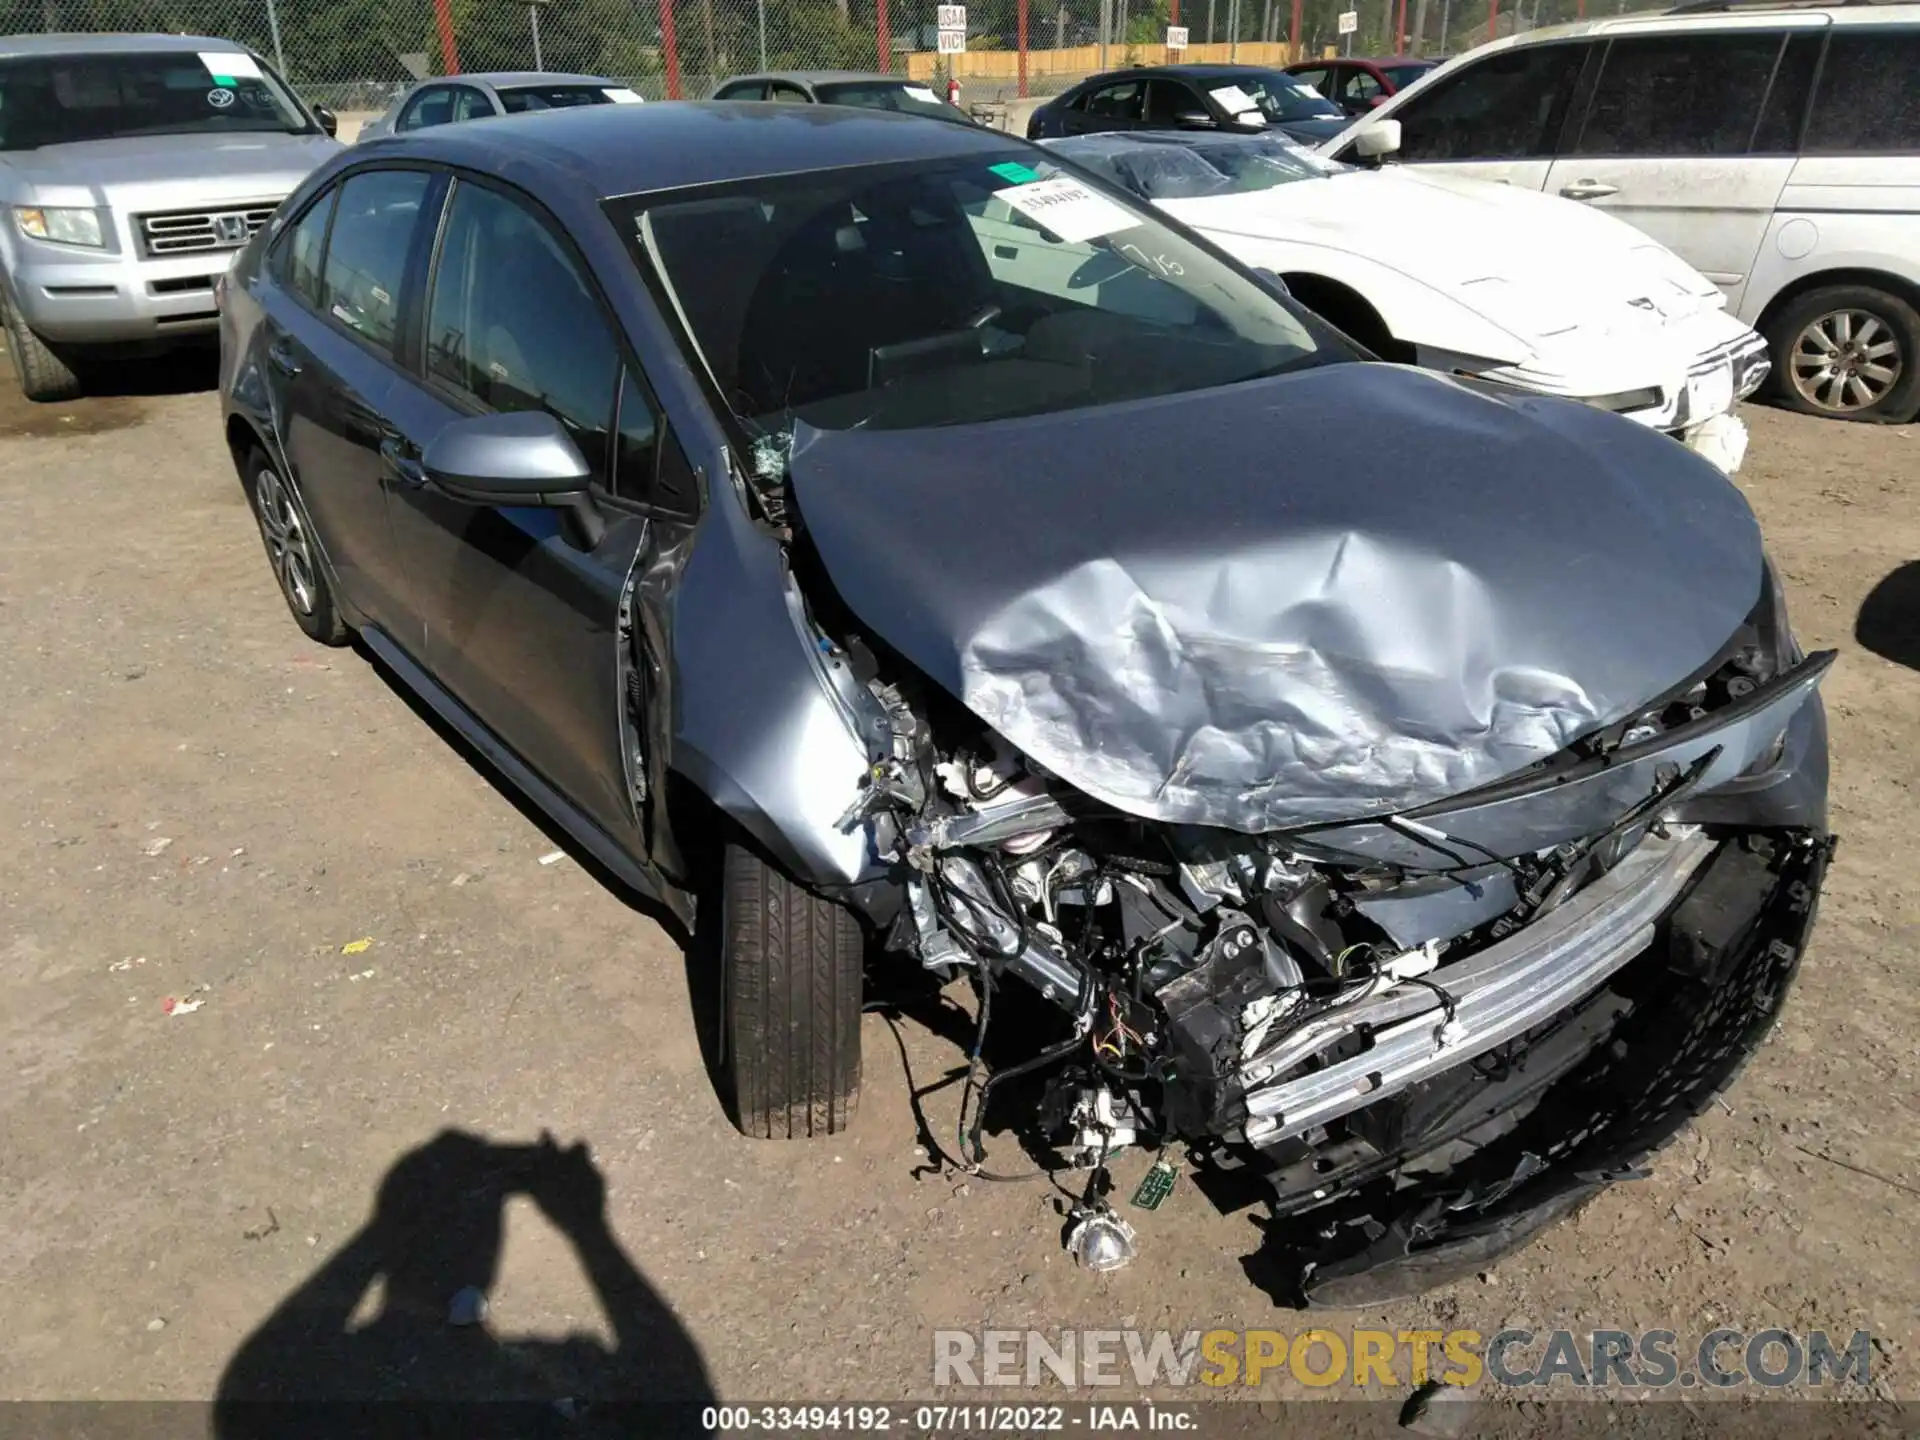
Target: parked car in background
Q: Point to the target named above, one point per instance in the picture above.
(1189, 97)
(1465, 278)
(1775, 150)
(1404, 790)
(841, 87)
(1357, 86)
(132, 169)
(491, 94)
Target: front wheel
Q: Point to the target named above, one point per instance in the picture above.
(792, 966)
(292, 552)
(1848, 352)
(43, 373)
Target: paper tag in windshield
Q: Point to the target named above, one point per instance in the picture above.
(1068, 209)
(620, 95)
(1233, 99)
(1016, 172)
(921, 92)
(227, 67)
(1306, 89)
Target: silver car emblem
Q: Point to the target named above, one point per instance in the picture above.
(232, 229)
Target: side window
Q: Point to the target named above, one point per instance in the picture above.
(1869, 101)
(296, 254)
(649, 465)
(1778, 132)
(751, 90)
(1664, 95)
(1508, 107)
(789, 94)
(512, 326)
(470, 104)
(1117, 102)
(429, 107)
(367, 254)
(1359, 88)
(1316, 78)
(1168, 100)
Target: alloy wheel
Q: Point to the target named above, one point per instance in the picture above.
(286, 537)
(1846, 360)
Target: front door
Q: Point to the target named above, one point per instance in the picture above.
(521, 614)
(1690, 138)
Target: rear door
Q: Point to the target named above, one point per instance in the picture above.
(1499, 118)
(1690, 136)
(331, 327)
(521, 622)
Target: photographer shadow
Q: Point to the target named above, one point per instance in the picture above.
(423, 1360)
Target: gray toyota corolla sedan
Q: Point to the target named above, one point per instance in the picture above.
(1404, 793)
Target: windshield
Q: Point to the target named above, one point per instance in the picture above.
(555, 97)
(883, 95)
(60, 99)
(1192, 167)
(1281, 96)
(1404, 75)
(942, 293)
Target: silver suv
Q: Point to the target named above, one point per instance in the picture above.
(133, 168)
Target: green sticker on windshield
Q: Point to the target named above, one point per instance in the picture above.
(1016, 172)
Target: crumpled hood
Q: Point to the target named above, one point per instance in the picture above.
(1339, 593)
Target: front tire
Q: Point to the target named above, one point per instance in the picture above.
(292, 552)
(43, 374)
(1847, 352)
(791, 963)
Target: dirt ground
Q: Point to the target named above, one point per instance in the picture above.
(364, 948)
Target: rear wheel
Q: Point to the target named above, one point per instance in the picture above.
(1848, 352)
(43, 374)
(792, 967)
(292, 553)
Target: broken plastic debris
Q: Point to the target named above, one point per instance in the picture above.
(171, 1006)
(1101, 1241)
(468, 1306)
(770, 456)
(156, 845)
(357, 947)
(553, 857)
(361, 975)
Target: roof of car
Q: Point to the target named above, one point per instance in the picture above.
(1734, 14)
(632, 149)
(112, 43)
(818, 77)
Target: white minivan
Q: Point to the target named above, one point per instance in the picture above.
(1775, 148)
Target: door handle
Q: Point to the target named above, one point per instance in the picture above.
(1589, 190)
(281, 357)
(402, 466)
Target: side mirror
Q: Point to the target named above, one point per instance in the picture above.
(1195, 120)
(1376, 142)
(1273, 280)
(329, 122)
(524, 457)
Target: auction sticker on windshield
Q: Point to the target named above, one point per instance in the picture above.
(620, 95)
(226, 67)
(1233, 99)
(1068, 209)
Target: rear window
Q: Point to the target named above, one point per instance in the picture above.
(61, 99)
(881, 95)
(554, 97)
(1869, 100)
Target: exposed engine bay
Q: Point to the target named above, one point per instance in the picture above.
(1338, 1025)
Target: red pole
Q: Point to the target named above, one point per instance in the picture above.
(1023, 42)
(449, 52)
(1493, 20)
(1173, 14)
(671, 45)
(1293, 41)
(882, 40)
(1400, 29)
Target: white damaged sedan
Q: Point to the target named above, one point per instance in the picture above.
(1463, 276)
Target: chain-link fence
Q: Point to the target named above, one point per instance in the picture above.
(356, 55)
